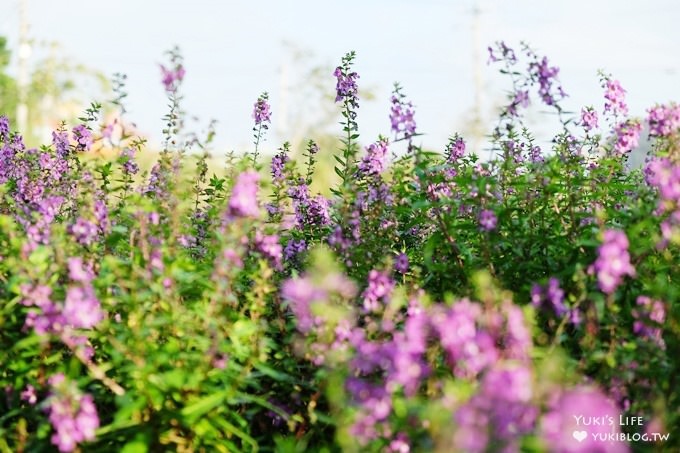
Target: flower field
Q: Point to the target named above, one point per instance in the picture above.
(433, 302)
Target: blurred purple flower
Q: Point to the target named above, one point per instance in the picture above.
(487, 220)
(613, 261)
(243, 201)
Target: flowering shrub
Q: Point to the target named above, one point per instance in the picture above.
(436, 302)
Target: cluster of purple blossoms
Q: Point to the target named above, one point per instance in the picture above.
(305, 297)
(546, 77)
(401, 117)
(84, 231)
(380, 287)
(455, 149)
(613, 261)
(627, 136)
(649, 317)
(261, 110)
(4, 128)
(61, 143)
(502, 410)
(243, 201)
(615, 97)
(278, 165)
(72, 414)
(83, 137)
(172, 77)
(373, 163)
(309, 211)
(293, 248)
(582, 409)
(48, 317)
(127, 157)
(268, 245)
(551, 295)
(664, 175)
(506, 53)
(664, 120)
(401, 263)
(346, 86)
(589, 119)
(487, 220)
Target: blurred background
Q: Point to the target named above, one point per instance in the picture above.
(57, 56)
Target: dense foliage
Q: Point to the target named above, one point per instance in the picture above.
(435, 302)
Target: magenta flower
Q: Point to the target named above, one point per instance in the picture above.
(649, 319)
(243, 201)
(261, 110)
(84, 231)
(300, 293)
(615, 97)
(589, 118)
(627, 136)
(72, 414)
(402, 115)
(373, 162)
(487, 220)
(81, 307)
(171, 77)
(83, 137)
(580, 421)
(664, 120)
(613, 261)
(380, 287)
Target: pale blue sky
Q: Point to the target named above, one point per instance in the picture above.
(233, 51)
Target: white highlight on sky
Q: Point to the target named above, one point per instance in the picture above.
(233, 51)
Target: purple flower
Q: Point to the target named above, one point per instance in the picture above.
(127, 157)
(269, 247)
(4, 128)
(72, 414)
(29, 395)
(261, 110)
(380, 287)
(278, 165)
(78, 272)
(551, 295)
(627, 136)
(613, 261)
(615, 97)
(401, 115)
(83, 137)
(455, 149)
(663, 120)
(501, 409)
(243, 201)
(84, 231)
(487, 220)
(171, 77)
(546, 77)
(346, 84)
(61, 143)
(649, 318)
(588, 118)
(293, 248)
(401, 263)
(373, 162)
(300, 293)
(582, 409)
(81, 307)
